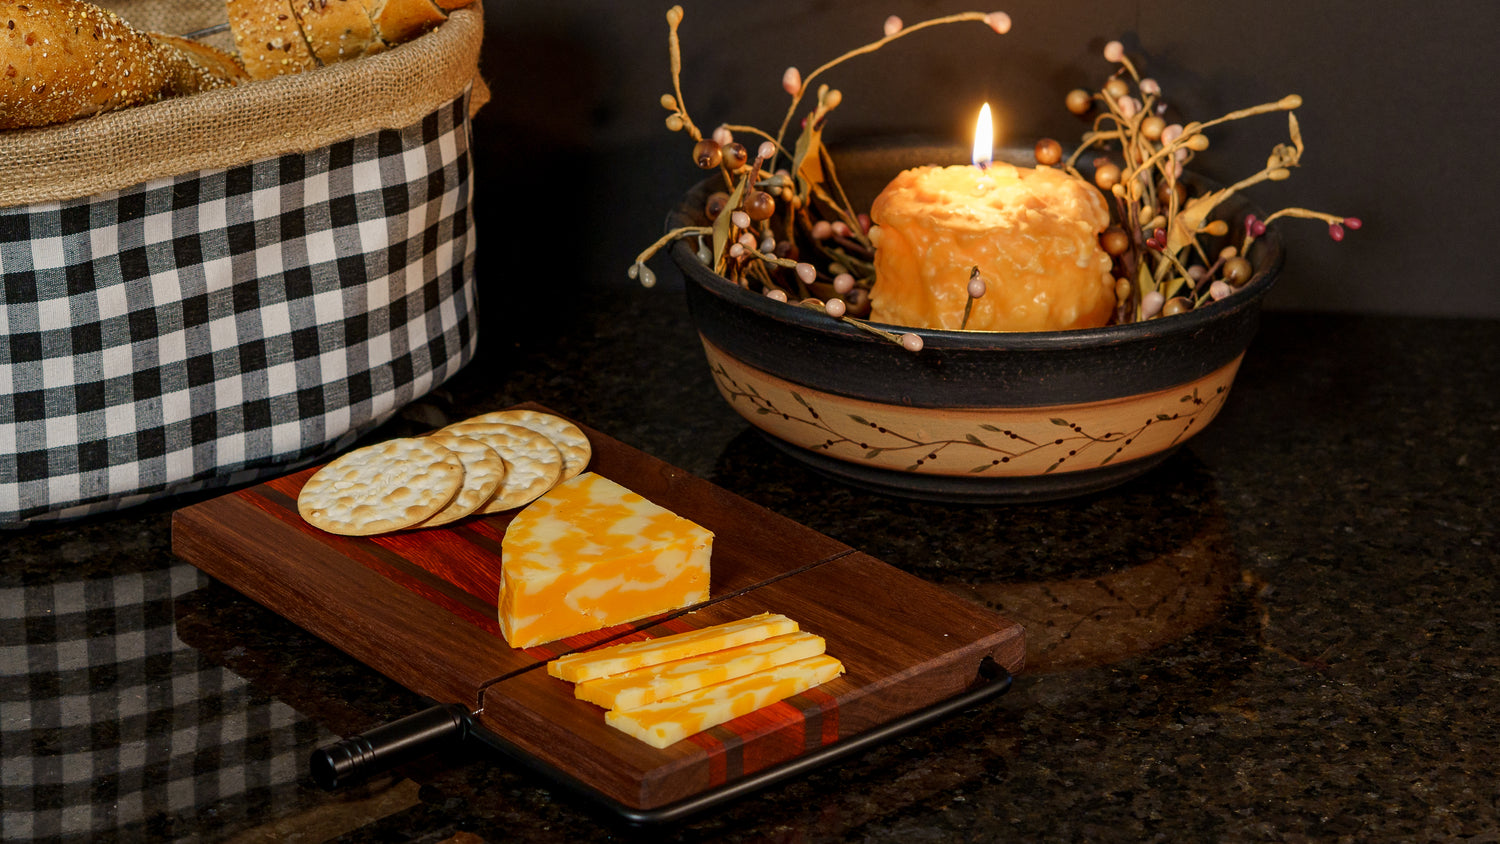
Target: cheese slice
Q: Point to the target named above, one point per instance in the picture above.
(632, 655)
(634, 689)
(665, 722)
(590, 554)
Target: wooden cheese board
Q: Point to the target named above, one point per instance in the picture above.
(420, 607)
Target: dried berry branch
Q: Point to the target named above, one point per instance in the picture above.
(793, 234)
(765, 221)
(1160, 248)
(795, 85)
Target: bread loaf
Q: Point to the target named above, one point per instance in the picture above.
(194, 67)
(62, 59)
(276, 37)
(399, 21)
(338, 30)
(269, 38)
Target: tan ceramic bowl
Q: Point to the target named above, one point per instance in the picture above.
(974, 416)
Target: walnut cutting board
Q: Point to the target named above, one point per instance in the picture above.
(419, 607)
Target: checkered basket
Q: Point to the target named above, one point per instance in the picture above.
(258, 311)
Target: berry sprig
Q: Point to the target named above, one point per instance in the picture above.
(1159, 243)
(976, 290)
(768, 217)
(783, 225)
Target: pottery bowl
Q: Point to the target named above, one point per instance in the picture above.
(980, 417)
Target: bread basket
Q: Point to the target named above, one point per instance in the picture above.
(209, 289)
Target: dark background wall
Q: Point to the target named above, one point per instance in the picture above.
(1397, 116)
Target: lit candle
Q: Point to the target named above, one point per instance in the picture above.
(1033, 233)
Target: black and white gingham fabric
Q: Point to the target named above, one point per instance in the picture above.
(112, 728)
(213, 327)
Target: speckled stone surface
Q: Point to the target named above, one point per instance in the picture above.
(1287, 632)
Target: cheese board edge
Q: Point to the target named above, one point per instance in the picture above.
(995, 680)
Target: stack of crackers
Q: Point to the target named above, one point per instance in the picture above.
(486, 464)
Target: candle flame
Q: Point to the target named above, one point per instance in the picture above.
(984, 138)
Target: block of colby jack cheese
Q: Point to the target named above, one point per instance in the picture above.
(591, 554)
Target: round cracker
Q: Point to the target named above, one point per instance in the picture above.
(569, 438)
(535, 463)
(382, 487)
(484, 474)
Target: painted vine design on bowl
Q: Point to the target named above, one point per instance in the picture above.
(734, 391)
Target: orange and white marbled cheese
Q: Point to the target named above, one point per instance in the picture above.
(666, 722)
(634, 689)
(616, 659)
(590, 554)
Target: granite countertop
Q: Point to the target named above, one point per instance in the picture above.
(1286, 632)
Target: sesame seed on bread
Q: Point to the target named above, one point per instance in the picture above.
(194, 66)
(338, 30)
(269, 38)
(64, 59)
(399, 21)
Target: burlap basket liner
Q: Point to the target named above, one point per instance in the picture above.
(186, 306)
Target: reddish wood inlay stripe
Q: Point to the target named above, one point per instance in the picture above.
(714, 753)
(827, 731)
(275, 499)
(448, 556)
(769, 735)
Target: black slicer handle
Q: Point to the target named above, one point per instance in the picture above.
(389, 745)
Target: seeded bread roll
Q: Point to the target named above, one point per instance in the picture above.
(63, 59)
(269, 38)
(399, 21)
(276, 37)
(338, 30)
(194, 66)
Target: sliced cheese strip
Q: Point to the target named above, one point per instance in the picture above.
(634, 689)
(615, 659)
(665, 722)
(590, 554)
